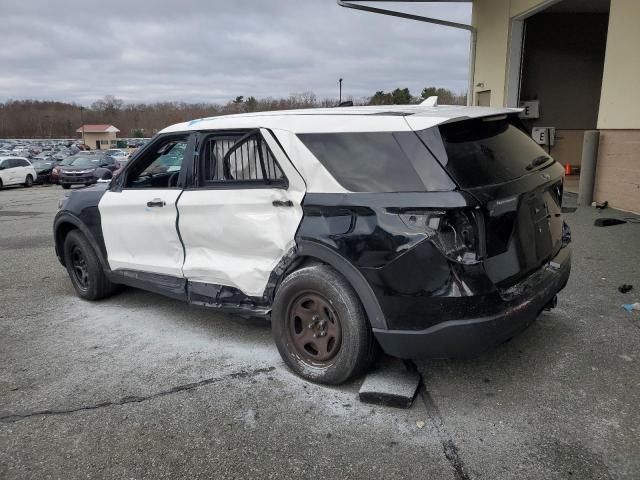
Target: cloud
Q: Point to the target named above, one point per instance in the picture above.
(215, 50)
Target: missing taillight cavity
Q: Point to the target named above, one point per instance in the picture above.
(454, 233)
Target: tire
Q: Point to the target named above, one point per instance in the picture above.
(84, 269)
(316, 300)
(66, 186)
(1, 185)
(28, 182)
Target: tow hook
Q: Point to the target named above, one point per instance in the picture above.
(553, 303)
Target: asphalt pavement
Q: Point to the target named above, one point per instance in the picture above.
(140, 386)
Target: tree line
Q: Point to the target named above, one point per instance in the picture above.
(51, 119)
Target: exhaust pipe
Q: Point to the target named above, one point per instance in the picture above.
(553, 303)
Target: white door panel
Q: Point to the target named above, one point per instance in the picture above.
(236, 236)
(140, 237)
(5, 176)
(9, 175)
(15, 174)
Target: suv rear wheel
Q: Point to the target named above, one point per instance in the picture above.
(320, 327)
(84, 268)
(28, 182)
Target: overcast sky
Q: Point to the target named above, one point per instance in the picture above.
(214, 50)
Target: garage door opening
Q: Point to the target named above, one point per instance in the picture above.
(562, 51)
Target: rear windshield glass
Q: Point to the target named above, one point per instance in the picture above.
(378, 161)
(485, 151)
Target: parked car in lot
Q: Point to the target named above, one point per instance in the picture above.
(55, 172)
(121, 156)
(84, 169)
(16, 171)
(43, 170)
(433, 231)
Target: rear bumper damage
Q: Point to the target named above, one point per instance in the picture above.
(469, 337)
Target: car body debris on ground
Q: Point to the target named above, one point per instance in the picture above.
(141, 386)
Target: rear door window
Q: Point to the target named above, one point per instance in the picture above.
(378, 161)
(485, 151)
(239, 159)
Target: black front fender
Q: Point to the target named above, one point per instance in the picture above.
(63, 223)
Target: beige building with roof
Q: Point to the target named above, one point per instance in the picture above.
(98, 137)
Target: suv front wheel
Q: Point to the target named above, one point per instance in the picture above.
(84, 268)
(320, 327)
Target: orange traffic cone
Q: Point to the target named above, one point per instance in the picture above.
(567, 169)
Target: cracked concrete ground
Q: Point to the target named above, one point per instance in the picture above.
(140, 386)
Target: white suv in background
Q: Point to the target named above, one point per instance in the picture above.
(16, 171)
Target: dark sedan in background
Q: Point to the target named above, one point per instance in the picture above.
(43, 170)
(86, 169)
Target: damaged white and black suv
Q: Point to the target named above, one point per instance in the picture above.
(429, 231)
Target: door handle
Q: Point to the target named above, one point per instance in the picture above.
(281, 203)
(156, 202)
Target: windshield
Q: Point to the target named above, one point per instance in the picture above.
(84, 162)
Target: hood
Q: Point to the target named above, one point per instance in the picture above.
(74, 168)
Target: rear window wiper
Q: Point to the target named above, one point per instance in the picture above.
(536, 162)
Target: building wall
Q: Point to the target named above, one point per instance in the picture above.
(618, 170)
(491, 19)
(620, 99)
(520, 7)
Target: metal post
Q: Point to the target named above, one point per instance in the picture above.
(340, 82)
(588, 167)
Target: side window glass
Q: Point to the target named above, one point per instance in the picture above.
(159, 168)
(237, 159)
(24, 163)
